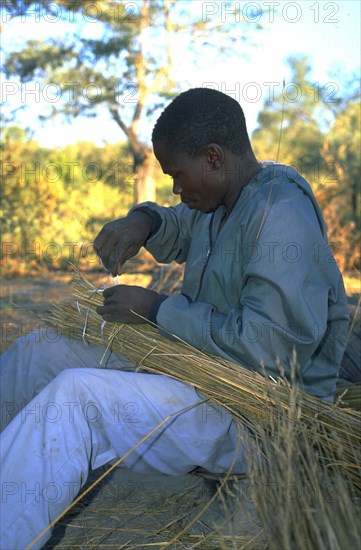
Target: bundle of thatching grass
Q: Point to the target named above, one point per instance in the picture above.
(298, 443)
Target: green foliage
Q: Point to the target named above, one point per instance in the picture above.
(294, 133)
(288, 128)
(343, 148)
(116, 69)
(55, 201)
(341, 198)
(37, 59)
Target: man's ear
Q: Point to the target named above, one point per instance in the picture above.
(214, 155)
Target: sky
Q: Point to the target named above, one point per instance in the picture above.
(327, 32)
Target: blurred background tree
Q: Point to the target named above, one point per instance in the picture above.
(342, 149)
(117, 70)
(289, 123)
(341, 199)
(60, 195)
(294, 129)
(126, 69)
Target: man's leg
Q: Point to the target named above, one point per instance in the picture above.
(34, 359)
(86, 417)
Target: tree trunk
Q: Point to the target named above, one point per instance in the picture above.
(145, 188)
(354, 202)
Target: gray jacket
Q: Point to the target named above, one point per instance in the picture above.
(264, 284)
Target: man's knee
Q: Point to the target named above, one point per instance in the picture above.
(79, 383)
(63, 398)
(70, 378)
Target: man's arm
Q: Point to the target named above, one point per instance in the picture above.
(168, 237)
(165, 232)
(171, 239)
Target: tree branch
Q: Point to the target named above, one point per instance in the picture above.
(169, 29)
(164, 71)
(140, 65)
(115, 115)
(137, 148)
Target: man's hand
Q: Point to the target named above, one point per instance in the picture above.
(122, 239)
(121, 299)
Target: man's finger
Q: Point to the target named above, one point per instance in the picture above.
(108, 247)
(111, 289)
(108, 254)
(101, 310)
(117, 269)
(108, 292)
(103, 242)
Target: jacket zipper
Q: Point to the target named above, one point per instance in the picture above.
(209, 252)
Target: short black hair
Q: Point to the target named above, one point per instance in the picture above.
(200, 116)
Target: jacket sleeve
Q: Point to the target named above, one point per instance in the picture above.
(284, 300)
(171, 239)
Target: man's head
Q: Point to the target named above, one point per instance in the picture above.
(201, 116)
(198, 140)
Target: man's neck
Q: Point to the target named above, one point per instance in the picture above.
(244, 170)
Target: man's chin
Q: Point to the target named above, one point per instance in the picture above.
(193, 205)
(206, 209)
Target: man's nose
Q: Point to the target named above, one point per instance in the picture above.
(177, 188)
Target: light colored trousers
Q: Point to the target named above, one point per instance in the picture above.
(64, 416)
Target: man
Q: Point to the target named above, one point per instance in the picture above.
(258, 284)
